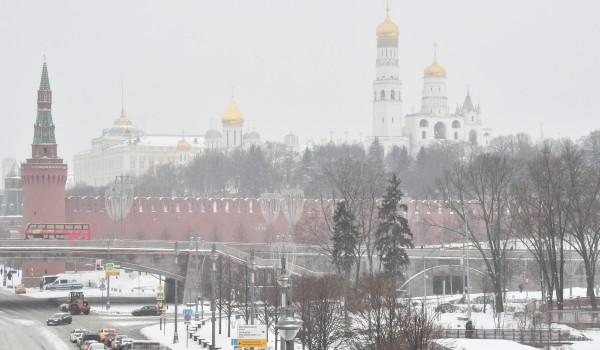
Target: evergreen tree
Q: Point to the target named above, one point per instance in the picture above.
(345, 238)
(393, 233)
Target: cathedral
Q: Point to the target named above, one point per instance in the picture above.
(433, 123)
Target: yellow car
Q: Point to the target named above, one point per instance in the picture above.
(104, 332)
(20, 289)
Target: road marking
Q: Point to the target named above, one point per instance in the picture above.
(51, 338)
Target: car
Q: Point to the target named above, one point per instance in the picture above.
(59, 318)
(103, 333)
(115, 343)
(86, 344)
(148, 310)
(109, 338)
(76, 333)
(123, 343)
(96, 346)
(20, 289)
(64, 283)
(87, 336)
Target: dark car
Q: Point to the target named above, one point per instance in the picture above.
(59, 318)
(150, 310)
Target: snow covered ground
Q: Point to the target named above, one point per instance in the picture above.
(132, 284)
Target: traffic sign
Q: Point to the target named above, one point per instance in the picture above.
(160, 288)
(252, 335)
(102, 280)
(160, 296)
(187, 311)
(102, 286)
(187, 317)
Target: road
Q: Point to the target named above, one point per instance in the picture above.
(23, 322)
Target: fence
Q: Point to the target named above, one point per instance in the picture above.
(527, 336)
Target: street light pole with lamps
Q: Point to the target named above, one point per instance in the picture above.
(175, 335)
(252, 267)
(213, 305)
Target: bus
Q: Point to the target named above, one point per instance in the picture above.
(68, 231)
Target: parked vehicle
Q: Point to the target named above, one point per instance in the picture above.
(59, 318)
(64, 283)
(20, 289)
(76, 333)
(47, 279)
(87, 336)
(148, 310)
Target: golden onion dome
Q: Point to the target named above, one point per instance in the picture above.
(388, 28)
(434, 70)
(232, 115)
(183, 145)
(122, 120)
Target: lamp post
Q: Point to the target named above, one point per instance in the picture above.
(213, 305)
(466, 282)
(289, 327)
(108, 276)
(175, 335)
(283, 280)
(252, 267)
(198, 275)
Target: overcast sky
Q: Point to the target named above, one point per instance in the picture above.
(305, 66)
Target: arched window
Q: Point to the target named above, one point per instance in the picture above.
(423, 123)
(393, 95)
(473, 137)
(423, 134)
(439, 131)
(455, 124)
(382, 95)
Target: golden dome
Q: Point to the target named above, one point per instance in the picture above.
(122, 120)
(183, 145)
(388, 28)
(435, 70)
(232, 115)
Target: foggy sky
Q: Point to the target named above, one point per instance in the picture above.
(305, 66)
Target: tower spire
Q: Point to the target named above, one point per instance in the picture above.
(43, 132)
(122, 101)
(435, 45)
(45, 81)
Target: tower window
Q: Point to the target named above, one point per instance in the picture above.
(456, 135)
(393, 95)
(382, 95)
(423, 123)
(423, 134)
(392, 120)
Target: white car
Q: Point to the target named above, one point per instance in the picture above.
(96, 346)
(76, 333)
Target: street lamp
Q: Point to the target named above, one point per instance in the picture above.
(175, 335)
(108, 276)
(289, 327)
(196, 238)
(213, 305)
(252, 267)
(284, 281)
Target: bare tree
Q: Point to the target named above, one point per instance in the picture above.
(478, 192)
(319, 302)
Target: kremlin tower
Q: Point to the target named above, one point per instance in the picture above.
(44, 175)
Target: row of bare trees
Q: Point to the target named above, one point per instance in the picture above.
(547, 197)
(367, 315)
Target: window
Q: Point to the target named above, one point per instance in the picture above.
(456, 135)
(382, 95)
(423, 123)
(393, 95)
(423, 134)
(455, 124)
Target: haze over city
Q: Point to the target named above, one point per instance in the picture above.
(300, 66)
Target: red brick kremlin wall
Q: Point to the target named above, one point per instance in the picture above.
(234, 220)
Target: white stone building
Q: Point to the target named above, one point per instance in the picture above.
(433, 122)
